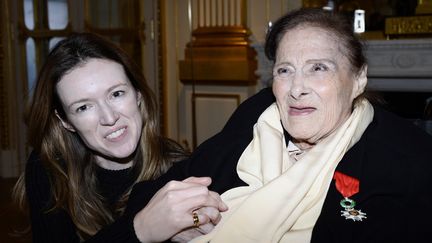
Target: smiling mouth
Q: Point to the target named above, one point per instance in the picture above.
(301, 110)
(116, 134)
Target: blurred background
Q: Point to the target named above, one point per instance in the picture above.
(202, 58)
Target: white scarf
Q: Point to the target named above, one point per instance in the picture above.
(283, 199)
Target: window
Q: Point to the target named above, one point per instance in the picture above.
(44, 24)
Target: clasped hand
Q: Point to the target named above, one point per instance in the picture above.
(169, 214)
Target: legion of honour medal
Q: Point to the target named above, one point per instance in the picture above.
(348, 186)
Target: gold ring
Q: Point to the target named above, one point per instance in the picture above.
(195, 218)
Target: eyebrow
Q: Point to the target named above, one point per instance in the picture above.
(322, 60)
(282, 63)
(309, 61)
(86, 99)
(123, 83)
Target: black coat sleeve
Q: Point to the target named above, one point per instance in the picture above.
(216, 157)
(56, 226)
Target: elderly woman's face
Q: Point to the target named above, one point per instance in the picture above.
(313, 84)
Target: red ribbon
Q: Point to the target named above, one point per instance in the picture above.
(345, 184)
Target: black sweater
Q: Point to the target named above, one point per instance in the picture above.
(56, 226)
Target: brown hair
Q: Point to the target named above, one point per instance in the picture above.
(339, 25)
(69, 163)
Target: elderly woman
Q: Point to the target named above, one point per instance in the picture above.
(319, 163)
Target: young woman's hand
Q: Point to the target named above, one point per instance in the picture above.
(171, 209)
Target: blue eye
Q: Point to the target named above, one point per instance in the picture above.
(81, 109)
(118, 93)
(318, 67)
(282, 70)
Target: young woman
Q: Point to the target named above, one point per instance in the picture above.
(93, 125)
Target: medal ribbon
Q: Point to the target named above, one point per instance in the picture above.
(346, 185)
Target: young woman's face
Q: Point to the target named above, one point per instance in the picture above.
(102, 107)
(313, 84)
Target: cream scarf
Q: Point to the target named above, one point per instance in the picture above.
(283, 199)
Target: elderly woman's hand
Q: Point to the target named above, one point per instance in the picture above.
(205, 228)
(191, 233)
(171, 209)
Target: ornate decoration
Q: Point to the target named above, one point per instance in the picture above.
(408, 25)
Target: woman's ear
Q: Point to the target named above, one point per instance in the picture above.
(360, 82)
(64, 123)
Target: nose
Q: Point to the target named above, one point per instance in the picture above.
(298, 88)
(108, 115)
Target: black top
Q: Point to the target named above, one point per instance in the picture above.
(113, 183)
(392, 160)
(56, 226)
